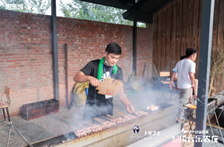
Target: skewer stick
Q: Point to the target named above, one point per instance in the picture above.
(73, 127)
(80, 125)
(99, 120)
(90, 124)
(134, 114)
(107, 118)
(122, 114)
(111, 116)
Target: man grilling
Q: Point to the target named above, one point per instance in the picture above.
(95, 71)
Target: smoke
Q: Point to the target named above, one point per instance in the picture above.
(97, 108)
(147, 96)
(149, 90)
(140, 93)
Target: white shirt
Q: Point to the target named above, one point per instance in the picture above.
(184, 67)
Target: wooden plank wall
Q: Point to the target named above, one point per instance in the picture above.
(177, 27)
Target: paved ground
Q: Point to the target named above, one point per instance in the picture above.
(40, 128)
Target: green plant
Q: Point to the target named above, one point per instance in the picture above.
(217, 68)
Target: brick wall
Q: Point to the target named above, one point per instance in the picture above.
(26, 53)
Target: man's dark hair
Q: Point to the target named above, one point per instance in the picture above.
(113, 48)
(182, 57)
(190, 51)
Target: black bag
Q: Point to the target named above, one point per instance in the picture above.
(221, 118)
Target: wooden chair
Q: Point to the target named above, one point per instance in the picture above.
(5, 105)
(163, 75)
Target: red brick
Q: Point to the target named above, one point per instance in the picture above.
(27, 58)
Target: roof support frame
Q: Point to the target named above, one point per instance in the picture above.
(135, 38)
(204, 69)
(54, 49)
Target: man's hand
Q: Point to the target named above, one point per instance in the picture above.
(130, 108)
(195, 97)
(171, 85)
(93, 81)
(190, 101)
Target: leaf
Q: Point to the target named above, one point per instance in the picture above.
(95, 12)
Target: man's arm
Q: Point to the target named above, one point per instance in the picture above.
(123, 96)
(80, 77)
(191, 74)
(172, 76)
(125, 100)
(172, 79)
(192, 78)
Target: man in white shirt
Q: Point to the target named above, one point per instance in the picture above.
(185, 70)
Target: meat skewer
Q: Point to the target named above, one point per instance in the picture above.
(140, 113)
(96, 127)
(113, 120)
(88, 130)
(108, 124)
(105, 124)
(118, 120)
(80, 132)
(92, 128)
(127, 117)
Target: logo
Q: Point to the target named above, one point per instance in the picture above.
(136, 129)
